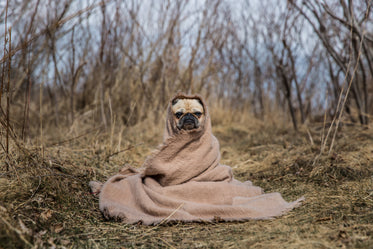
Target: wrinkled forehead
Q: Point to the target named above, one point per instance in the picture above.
(187, 105)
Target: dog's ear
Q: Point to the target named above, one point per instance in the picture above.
(174, 101)
(200, 101)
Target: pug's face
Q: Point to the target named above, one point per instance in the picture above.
(188, 113)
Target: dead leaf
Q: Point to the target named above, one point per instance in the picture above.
(41, 233)
(51, 242)
(3, 209)
(46, 215)
(65, 242)
(57, 228)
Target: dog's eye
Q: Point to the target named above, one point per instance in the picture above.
(198, 114)
(178, 114)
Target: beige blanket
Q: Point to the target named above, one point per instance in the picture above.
(184, 181)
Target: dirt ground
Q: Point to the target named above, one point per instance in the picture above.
(45, 200)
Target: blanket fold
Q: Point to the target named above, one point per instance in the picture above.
(183, 180)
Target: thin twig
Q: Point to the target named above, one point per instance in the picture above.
(166, 242)
(348, 89)
(345, 99)
(32, 195)
(41, 117)
(310, 136)
(163, 221)
(74, 138)
(3, 69)
(17, 231)
(130, 147)
(324, 123)
(8, 91)
(340, 105)
(55, 25)
(173, 212)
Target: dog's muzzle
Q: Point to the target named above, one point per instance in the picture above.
(188, 122)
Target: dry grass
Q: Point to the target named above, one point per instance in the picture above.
(45, 200)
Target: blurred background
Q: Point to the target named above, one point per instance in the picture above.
(102, 62)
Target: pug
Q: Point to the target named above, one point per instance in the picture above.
(188, 113)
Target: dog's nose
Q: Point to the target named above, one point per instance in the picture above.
(188, 118)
